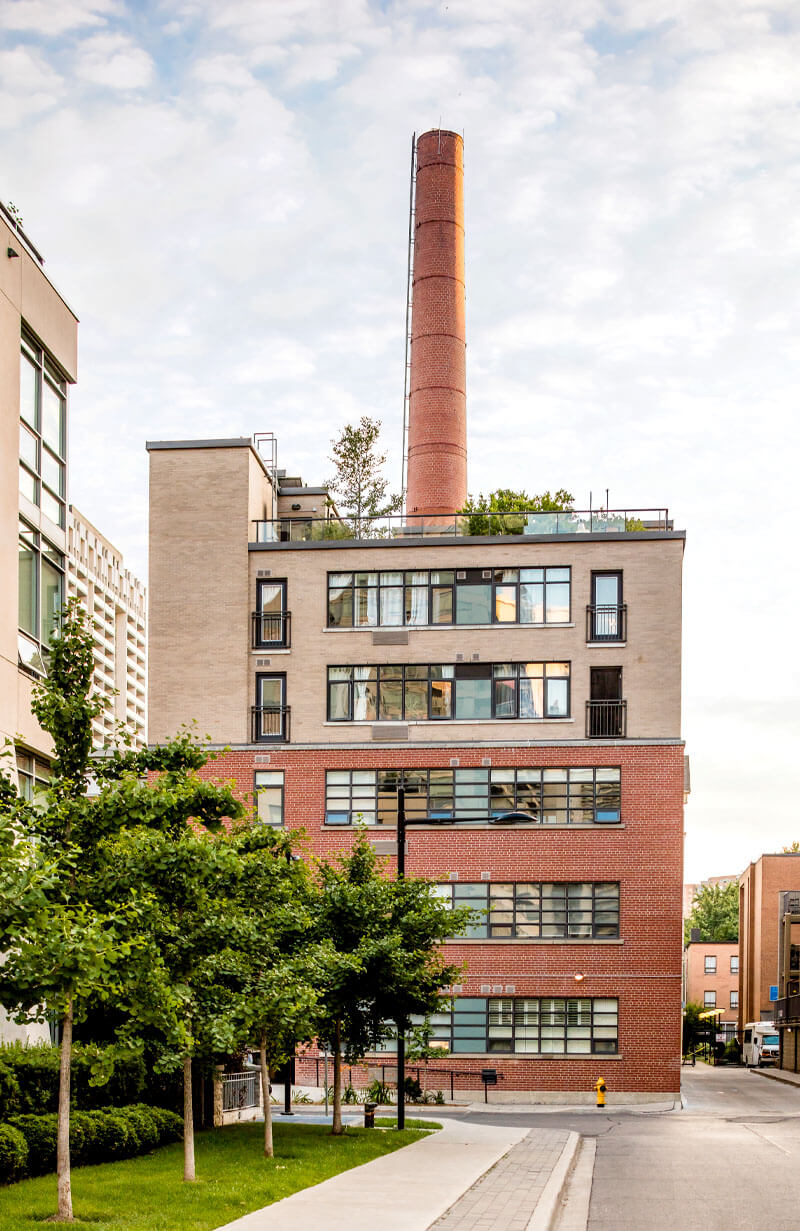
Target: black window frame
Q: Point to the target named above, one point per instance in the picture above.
(464, 577)
(518, 903)
(467, 1026)
(394, 673)
(594, 632)
(47, 373)
(259, 787)
(432, 793)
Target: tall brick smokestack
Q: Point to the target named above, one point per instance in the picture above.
(437, 424)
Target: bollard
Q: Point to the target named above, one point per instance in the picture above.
(600, 1087)
(369, 1115)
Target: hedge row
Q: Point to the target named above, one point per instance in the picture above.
(29, 1081)
(28, 1142)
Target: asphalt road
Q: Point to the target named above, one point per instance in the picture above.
(730, 1159)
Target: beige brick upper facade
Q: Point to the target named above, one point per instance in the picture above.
(205, 570)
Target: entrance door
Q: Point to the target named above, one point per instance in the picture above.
(271, 614)
(606, 607)
(271, 713)
(606, 707)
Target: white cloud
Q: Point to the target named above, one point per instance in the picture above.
(115, 61)
(52, 20)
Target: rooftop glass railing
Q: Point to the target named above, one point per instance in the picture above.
(399, 526)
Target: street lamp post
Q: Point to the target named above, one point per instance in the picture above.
(506, 818)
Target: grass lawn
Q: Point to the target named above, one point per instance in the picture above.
(148, 1194)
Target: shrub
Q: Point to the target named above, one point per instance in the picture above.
(40, 1132)
(95, 1137)
(13, 1154)
(29, 1080)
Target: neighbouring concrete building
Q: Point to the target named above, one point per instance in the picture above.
(520, 677)
(38, 362)
(711, 978)
(117, 604)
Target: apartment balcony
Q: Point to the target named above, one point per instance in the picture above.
(608, 622)
(787, 1009)
(606, 719)
(463, 525)
(271, 629)
(270, 724)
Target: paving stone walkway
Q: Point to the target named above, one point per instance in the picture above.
(505, 1197)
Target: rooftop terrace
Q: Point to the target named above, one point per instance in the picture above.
(306, 529)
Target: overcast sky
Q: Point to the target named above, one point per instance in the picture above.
(220, 189)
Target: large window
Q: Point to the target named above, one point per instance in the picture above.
(269, 796)
(709, 965)
(735, 1000)
(459, 692)
(578, 795)
(42, 432)
(538, 910)
(41, 595)
(735, 964)
(530, 1024)
(449, 596)
(710, 1000)
(33, 775)
(271, 713)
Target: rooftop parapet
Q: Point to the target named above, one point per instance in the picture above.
(465, 525)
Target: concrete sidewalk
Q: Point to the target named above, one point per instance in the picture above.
(404, 1191)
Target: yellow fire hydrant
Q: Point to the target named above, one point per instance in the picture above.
(600, 1087)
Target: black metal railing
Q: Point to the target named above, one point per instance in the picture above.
(608, 622)
(417, 525)
(787, 1009)
(271, 723)
(606, 719)
(272, 628)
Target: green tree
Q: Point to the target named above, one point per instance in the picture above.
(793, 849)
(387, 934)
(502, 511)
(715, 911)
(359, 486)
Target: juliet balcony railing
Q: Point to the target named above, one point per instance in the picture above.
(608, 622)
(271, 628)
(606, 719)
(573, 521)
(270, 723)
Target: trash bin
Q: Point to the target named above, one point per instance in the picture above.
(369, 1115)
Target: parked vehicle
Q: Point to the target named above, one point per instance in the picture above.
(760, 1044)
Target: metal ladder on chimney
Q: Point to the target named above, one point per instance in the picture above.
(409, 298)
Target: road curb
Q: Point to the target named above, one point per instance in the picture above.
(548, 1203)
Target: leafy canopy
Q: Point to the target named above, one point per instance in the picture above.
(494, 514)
(715, 911)
(359, 485)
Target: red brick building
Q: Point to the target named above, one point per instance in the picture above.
(519, 677)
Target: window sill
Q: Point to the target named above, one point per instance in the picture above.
(270, 649)
(597, 645)
(594, 1057)
(533, 940)
(444, 722)
(430, 628)
(439, 826)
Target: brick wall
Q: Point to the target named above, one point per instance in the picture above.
(644, 853)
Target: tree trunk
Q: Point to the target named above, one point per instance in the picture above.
(269, 1150)
(188, 1121)
(337, 1129)
(62, 1147)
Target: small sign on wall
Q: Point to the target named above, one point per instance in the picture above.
(773, 992)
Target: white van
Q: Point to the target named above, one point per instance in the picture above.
(760, 1045)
